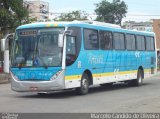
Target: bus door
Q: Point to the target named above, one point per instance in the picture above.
(73, 47)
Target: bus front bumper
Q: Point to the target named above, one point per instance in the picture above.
(38, 86)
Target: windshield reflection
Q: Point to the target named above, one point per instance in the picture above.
(37, 47)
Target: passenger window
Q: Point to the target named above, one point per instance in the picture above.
(91, 41)
(119, 41)
(150, 43)
(140, 42)
(130, 42)
(105, 40)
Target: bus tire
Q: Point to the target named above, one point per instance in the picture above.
(84, 87)
(139, 80)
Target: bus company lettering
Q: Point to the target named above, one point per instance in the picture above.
(33, 75)
(137, 54)
(96, 59)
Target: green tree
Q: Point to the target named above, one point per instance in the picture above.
(12, 13)
(74, 15)
(111, 12)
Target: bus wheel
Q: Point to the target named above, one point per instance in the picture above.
(139, 80)
(84, 88)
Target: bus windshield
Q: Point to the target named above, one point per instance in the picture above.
(37, 47)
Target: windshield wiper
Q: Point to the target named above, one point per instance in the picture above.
(37, 58)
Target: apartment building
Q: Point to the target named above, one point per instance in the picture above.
(139, 26)
(156, 29)
(38, 9)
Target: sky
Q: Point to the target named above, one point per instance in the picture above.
(136, 8)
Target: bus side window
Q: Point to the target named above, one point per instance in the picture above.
(130, 42)
(105, 40)
(70, 50)
(91, 41)
(140, 40)
(119, 41)
(150, 45)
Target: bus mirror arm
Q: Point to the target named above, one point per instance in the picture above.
(60, 40)
(5, 41)
(3, 44)
(68, 32)
(61, 36)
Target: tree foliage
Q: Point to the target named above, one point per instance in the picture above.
(74, 15)
(12, 13)
(111, 12)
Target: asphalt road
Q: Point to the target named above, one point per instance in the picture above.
(118, 98)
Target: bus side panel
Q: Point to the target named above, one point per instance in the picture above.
(150, 65)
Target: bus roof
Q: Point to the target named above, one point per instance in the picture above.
(85, 24)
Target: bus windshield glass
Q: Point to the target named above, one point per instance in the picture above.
(37, 47)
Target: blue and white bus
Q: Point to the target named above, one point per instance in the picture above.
(53, 56)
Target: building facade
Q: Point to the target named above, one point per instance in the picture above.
(139, 26)
(156, 29)
(38, 9)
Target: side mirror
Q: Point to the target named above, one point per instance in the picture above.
(3, 44)
(68, 32)
(5, 41)
(61, 36)
(60, 40)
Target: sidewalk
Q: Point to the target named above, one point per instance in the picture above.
(4, 78)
